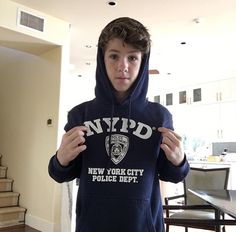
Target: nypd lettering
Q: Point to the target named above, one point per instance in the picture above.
(98, 126)
(121, 175)
(117, 143)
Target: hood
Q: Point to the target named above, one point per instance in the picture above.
(103, 88)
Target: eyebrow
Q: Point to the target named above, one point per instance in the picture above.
(114, 50)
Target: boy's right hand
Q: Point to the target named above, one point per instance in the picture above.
(72, 145)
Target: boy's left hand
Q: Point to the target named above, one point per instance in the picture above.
(172, 145)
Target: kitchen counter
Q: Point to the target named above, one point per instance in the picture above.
(207, 164)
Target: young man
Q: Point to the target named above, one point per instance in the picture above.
(119, 145)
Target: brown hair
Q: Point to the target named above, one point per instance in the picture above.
(129, 30)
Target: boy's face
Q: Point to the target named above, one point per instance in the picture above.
(122, 63)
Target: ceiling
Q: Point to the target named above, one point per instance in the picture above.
(192, 40)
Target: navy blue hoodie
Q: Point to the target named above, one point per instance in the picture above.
(119, 172)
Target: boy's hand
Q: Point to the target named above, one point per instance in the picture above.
(72, 145)
(172, 145)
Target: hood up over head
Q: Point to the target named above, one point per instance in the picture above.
(135, 34)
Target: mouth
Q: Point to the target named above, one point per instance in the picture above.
(123, 78)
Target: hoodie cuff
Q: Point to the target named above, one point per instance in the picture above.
(58, 166)
(183, 162)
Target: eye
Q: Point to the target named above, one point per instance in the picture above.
(133, 58)
(113, 56)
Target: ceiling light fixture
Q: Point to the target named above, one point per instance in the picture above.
(112, 3)
(197, 20)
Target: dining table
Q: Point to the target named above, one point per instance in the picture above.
(223, 200)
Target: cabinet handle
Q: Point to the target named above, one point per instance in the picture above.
(219, 133)
(189, 101)
(220, 96)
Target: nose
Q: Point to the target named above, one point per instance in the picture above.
(123, 65)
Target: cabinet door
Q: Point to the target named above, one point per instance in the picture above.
(210, 93)
(190, 95)
(205, 121)
(198, 122)
(219, 91)
(227, 121)
(228, 90)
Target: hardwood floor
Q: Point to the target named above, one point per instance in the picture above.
(22, 228)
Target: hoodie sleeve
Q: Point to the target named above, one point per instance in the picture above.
(166, 170)
(169, 172)
(62, 174)
(58, 172)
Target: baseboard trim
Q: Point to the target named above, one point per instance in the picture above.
(39, 223)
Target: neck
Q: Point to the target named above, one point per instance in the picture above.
(121, 96)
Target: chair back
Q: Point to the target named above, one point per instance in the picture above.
(204, 178)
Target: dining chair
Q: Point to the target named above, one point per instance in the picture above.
(194, 212)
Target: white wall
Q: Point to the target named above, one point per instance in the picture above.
(54, 29)
(29, 95)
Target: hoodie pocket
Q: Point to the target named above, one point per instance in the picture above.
(117, 215)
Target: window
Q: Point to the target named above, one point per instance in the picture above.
(182, 97)
(197, 95)
(169, 99)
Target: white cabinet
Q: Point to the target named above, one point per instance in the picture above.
(228, 90)
(213, 122)
(226, 124)
(219, 91)
(189, 95)
(205, 111)
(210, 93)
(205, 93)
(166, 98)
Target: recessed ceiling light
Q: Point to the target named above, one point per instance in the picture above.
(112, 3)
(197, 20)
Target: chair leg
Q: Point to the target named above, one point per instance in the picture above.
(186, 229)
(167, 228)
(217, 228)
(223, 229)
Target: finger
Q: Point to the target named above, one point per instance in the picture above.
(176, 135)
(166, 130)
(171, 134)
(175, 140)
(75, 133)
(80, 128)
(79, 149)
(166, 149)
(169, 143)
(77, 141)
